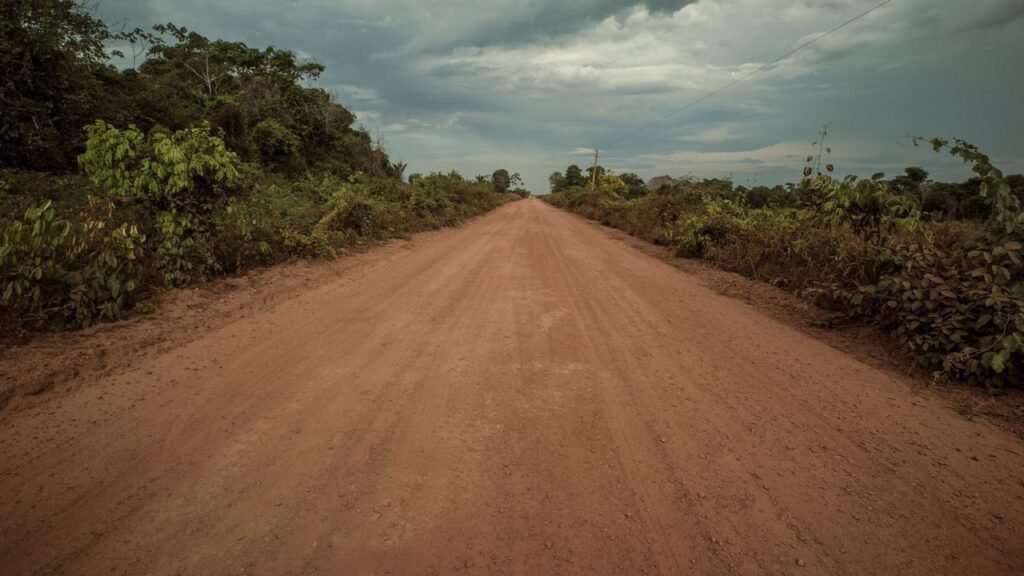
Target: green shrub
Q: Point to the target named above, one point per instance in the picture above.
(63, 274)
(259, 227)
(184, 170)
(277, 146)
(197, 213)
(179, 178)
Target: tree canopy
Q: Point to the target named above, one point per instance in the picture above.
(58, 79)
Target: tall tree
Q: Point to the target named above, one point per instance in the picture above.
(50, 51)
(911, 183)
(635, 186)
(574, 176)
(501, 180)
(590, 173)
(556, 182)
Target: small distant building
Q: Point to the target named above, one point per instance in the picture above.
(659, 182)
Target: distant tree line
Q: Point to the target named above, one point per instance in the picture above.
(935, 200)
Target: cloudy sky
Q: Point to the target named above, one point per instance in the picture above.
(530, 85)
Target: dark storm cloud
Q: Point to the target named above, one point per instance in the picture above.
(1002, 17)
(562, 17)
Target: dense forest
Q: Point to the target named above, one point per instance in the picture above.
(191, 158)
(939, 265)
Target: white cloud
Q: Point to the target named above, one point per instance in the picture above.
(716, 134)
(780, 155)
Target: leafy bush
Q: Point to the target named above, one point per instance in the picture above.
(70, 270)
(259, 227)
(183, 170)
(61, 274)
(277, 146)
(179, 178)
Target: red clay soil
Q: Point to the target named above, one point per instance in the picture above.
(522, 395)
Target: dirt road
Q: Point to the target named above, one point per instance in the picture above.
(523, 395)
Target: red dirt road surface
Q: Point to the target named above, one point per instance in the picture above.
(522, 395)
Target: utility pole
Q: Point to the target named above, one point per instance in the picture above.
(594, 175)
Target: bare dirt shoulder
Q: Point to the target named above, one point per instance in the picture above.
(867, 343)
(50, 363)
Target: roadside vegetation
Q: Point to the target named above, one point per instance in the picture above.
(939, 265)
(190, 159)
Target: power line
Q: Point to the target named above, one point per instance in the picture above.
(741, 78)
